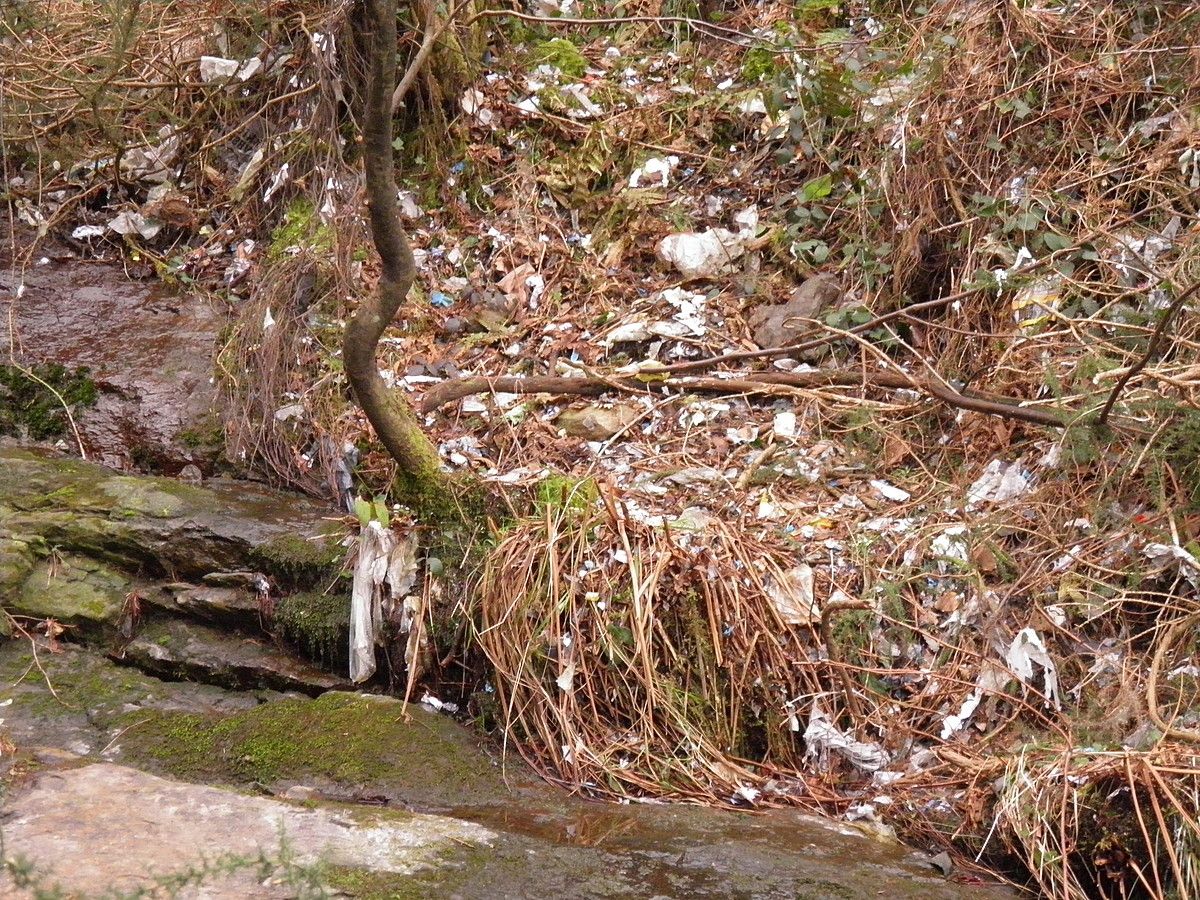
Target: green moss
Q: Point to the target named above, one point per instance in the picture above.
(369, 885)
(206, 434)
(561, 54)
(760, 64)
(564, 492)
(460, 868)
(301, 228)
(300, 562)
(319, 624)
(348, 739)
(28, 405)
(157, 498)
(74, 590)
(82, 681)
(17, 557)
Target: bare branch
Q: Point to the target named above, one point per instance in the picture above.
(769, 383)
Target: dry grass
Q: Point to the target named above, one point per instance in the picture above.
(633, 659)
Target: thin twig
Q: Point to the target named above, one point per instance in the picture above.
(1151, 350)
(432, 34)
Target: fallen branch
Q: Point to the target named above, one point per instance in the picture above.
(751, 383)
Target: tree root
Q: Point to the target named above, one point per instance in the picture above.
(1174, 630)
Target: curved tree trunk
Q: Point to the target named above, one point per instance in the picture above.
(387, 411)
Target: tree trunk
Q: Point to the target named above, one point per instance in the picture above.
(387, 411)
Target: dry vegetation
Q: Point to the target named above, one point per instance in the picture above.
(743, 595)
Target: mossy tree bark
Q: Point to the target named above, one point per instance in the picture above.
(390, 415)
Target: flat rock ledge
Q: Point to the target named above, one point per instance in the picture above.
(71, 832)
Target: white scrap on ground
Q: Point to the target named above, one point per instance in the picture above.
(386, 569)
(823, 737)
(1026, 649)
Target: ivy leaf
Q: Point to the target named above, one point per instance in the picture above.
(818, 188)
(1055, 241)
(362, 509)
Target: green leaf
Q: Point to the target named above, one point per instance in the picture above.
(818, 188)
(1028, 221)
(817, 251)
(380, 511)
(1055, 241)
(621, 635)
(362, 509)
(833, 36)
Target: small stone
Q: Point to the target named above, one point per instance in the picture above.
(53, 756)
(596, 423)
(782, 324)
(175, 649)
(301, 793)
(191, 474)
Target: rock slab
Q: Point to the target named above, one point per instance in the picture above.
(74, 827)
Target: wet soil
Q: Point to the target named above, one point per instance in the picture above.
(150, 352)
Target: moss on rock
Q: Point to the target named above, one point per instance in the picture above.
(36, 401)
(319, 625)
(349, 740)
(75, 590)
(299, 561)
(18, 555)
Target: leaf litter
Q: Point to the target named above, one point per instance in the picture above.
(894, 573)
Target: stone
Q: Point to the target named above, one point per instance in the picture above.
(149, 351)
(364, 762)
(235, 606)
(597, 423)
(191, 474)
(161, 525)
(75, 590)
(301, 793)
(179, 649)
(17, 558)
(782, 325)
(73, 826)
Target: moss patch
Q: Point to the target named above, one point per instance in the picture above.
(17, 557)
(75, 590)
(368, 885)
(354, 741)
(561, 54)
(300, 562)
(301, 229)
(319, 625)
(564, 492)
(28, 405)
(205, 435)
